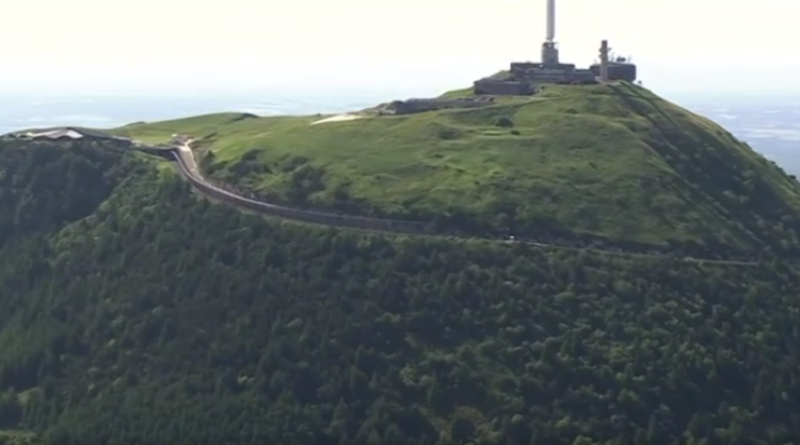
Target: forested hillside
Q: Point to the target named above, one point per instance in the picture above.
(135, 312)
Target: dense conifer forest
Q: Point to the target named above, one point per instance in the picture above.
(133, 311)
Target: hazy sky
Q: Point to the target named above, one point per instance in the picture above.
(679, 45)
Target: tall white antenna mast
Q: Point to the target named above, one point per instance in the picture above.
(551, 21)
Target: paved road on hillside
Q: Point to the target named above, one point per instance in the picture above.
(187, 155)
(184, 155)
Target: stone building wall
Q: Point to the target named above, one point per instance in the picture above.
(503, 88)
(422, 105)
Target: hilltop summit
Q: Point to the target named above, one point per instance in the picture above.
(610, 163)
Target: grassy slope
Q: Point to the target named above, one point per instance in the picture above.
(612, 160)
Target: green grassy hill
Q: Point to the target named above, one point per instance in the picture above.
(612, 161)
(133, 312)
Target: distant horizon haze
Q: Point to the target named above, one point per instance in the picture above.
(213, 46)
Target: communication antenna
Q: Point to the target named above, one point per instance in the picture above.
(551, 21)
(604, 50)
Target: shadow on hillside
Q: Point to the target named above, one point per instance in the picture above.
(716, 176)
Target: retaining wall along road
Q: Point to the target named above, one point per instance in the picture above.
(395, 226)
(355, 222)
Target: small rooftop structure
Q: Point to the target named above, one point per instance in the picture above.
(61, 133)
(180, 139)
(72, 133)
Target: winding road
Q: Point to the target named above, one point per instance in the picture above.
(184, 157)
